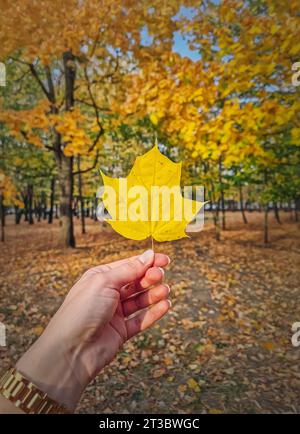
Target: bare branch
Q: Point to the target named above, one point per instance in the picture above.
(50, 84)
(96, 140)
(94, 104)
(89, 168)
(42, 86)
(24, 134)
(50, 148)
(81, 101)
(24, 73)
(19, 61)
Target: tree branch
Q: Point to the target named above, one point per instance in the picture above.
(50, 84)
(89, 168)
(42, 86)
(94, 104)
(81, 101)
(24, 134)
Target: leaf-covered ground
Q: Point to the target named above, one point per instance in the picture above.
(224, 347)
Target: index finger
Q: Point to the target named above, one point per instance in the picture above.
(160, 260)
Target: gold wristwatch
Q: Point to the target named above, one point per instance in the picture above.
(26, 396)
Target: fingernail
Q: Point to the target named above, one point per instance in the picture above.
(162, 270)
(170, 303)
(147, 256)
(169, 289)
(169, 260)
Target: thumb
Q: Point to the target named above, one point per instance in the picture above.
(130, 270)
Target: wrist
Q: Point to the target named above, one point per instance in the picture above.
(48, 366)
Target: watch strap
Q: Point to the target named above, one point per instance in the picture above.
(26, 395)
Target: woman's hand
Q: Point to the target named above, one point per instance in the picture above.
(93, 323)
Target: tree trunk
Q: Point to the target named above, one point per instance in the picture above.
(35, 210)
(216, 217)
(56, 211)
(44, 205)
(2, 216)
(266, 211)
(76, 208)
(276, 213)
(81, 199)
(266, 224)
(66, 236)
(242, 205)
(52, 195)
(30, 204)
(38, 210)
(222, 195)
(18, 215)
(64, 163)
(25, 200)
(215, 213)
(95, 205)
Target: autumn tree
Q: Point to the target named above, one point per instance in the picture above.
(236, 101)
(77, 53)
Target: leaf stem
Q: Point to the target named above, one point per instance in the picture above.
(152, 243)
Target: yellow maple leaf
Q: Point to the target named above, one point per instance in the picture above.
(149, 202)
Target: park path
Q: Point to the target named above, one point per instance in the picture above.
(224, 347)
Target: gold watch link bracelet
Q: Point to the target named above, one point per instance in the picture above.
(27, 396)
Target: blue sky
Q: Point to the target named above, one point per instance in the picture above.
(181, 46)
(180, 43)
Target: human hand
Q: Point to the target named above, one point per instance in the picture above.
(92, 324)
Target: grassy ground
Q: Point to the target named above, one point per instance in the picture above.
(224, 347)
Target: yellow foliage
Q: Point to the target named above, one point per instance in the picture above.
(202, 105)
(9, 191)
